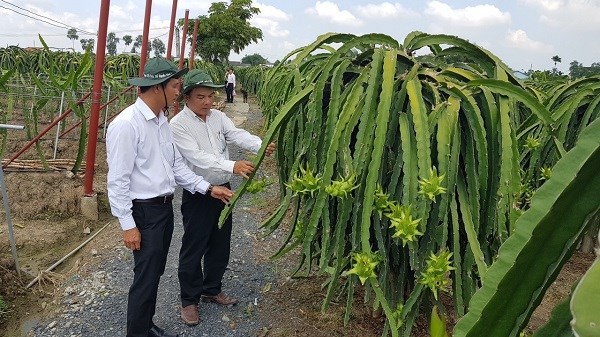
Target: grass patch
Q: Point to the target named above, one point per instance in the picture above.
(3, 309)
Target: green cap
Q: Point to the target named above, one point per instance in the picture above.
(156, 71)
(198, 78)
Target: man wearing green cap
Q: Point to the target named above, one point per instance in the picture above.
(202, 135)
(144, 166)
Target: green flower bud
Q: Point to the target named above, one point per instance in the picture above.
(430, 188)
(306, 182)
(435, 275)
(532, 143)
(364, 265)
(546, 173)
(341, 188)
(381, 201)
(405, 227)
(257, 185)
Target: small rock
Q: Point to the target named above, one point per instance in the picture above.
(86, 230)
(94, 252)
(225, 318)
(52, 325)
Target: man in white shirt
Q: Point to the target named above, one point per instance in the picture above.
(144, 166)
(202, 135)
(230, 86)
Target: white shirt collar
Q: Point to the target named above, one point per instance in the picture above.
(147, 112)
(186, 110)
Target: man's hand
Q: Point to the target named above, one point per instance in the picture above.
(132, 238)
(222, 193)
(270, 149)
(243, 168)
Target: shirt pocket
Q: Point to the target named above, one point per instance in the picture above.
(168, 152)
(221, 142)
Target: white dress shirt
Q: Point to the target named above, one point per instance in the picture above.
(143, 161)
(203, 145)
(231, 78)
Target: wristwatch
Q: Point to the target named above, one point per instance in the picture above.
(210, 188)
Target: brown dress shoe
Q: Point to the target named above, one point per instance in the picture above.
(221, 299)
(189, 315)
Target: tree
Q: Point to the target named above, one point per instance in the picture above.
(111, 43)
(556, 59)
(85, 43)
(72, 35)
(577, 70)
(226, 29)
(254, 59)
(128, 39)
(137, 43)
(546, 75)
(158, 46)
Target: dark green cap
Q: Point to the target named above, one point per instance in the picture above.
(156, 71)
(198, 78)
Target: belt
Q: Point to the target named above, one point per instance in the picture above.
(163, 199)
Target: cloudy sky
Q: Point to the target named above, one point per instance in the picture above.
(523, 33)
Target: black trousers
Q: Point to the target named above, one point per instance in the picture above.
(229, 92)
(155, 223)
(202, 238)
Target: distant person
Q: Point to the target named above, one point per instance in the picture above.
(244, 94)
(144, 167)
(202, 135)
(230, 85)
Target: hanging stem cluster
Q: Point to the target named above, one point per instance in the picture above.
(401, 171)
(381, 151)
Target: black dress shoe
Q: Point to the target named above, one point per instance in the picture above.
(158, 332)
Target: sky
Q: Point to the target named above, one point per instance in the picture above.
(525, 34)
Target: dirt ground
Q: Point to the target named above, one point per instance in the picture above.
(45, 206)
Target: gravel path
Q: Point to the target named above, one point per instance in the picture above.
(97, 305)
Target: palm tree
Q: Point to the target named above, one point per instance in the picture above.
(72, 35)
(128, 39)
(556, 59)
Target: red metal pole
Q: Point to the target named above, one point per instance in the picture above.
(171, 28)
(145, 33)
(88, 188)
(183, 38)
(181, 54)
(194, 37)
(48, 128)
